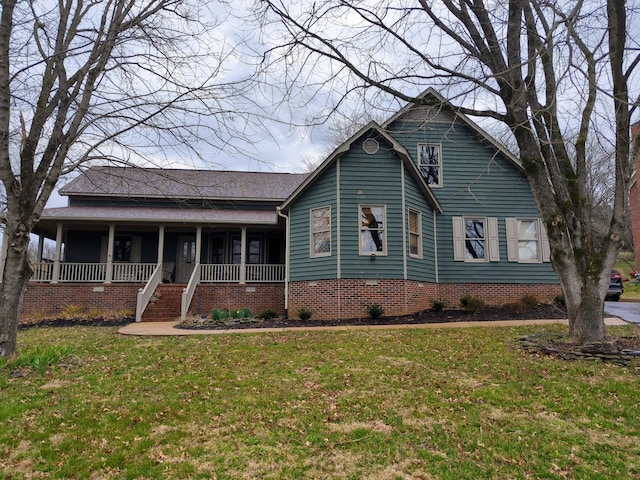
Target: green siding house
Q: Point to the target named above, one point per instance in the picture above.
(424, 207)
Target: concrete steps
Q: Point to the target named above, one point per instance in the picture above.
(165, 303)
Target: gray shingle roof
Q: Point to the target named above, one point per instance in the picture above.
(183, 184)
(161, 215)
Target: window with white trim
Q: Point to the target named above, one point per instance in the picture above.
(372, 229)
(475, 239)
(430, 163)
(415, 233)
(321, 231)
(526, 241)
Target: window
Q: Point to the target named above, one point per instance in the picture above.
(475, 239)
(430, 163)
(122, 249)
(254, 249)
(415, 234)
(526, 241)
(321, 231)
(372, 229)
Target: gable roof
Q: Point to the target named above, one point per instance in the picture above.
(432, 98)
(136, 182)
(402, 153)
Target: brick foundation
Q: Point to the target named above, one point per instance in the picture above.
(50, 299)
(350, 298)
(326, 298)
(256, 296)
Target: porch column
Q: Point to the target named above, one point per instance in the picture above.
(3, 251)
(110, 244)
(243, 255)
(56, 257)
(198, 245)
(40, 247)
(160, 245)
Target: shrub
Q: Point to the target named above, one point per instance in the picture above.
(218, 314)
(304, 313)
(472, 303)
(247, 313)
(560, 301)
(437, 305)
(268, 314)
(529, 302)
(375, 310)
(72, 311)
(236, 313)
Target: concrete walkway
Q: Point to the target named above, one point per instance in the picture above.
(166, 328)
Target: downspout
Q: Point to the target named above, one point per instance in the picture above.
(286, 260)
(435, 245)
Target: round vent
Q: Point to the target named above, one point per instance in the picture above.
(370, 145)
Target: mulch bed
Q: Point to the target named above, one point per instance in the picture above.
(543, 311)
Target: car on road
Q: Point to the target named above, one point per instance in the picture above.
(616, 287)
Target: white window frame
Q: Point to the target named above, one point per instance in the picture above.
(417, 234)
(491, 241)
(313, 233)
(438, 166)
(362, 229)
(513, 239)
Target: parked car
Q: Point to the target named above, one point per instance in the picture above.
(616, 287)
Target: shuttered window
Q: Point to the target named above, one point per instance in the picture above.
(526, 240)
(475, 239)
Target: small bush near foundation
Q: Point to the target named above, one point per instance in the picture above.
(437, 305)
(304, 313)
(219, 314)
(375, 310)
(525, 304)
(72, 311)
(559, 300)
(268, 314)
(472, 303)
(529, 301)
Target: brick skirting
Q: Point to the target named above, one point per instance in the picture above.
(49, 299)
(326, 298)
(350, 298)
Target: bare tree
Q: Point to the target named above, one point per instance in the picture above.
(549, 71)
(102, 81)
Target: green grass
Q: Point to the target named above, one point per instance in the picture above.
(624, 265)
(383, 404)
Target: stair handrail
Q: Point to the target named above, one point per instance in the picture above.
(190, 289)
(144, 294)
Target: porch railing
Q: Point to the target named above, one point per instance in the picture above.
(141, 272)
(133, 272)
(93, 272)
(212, 273)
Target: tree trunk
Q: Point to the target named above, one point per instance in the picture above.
(17, 272)
(585, 308)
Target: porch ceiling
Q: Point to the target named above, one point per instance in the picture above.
(165, 216)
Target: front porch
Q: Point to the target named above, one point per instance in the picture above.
(142, 257)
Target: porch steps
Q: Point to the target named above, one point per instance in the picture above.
(165, 303)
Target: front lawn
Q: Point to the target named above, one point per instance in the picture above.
(378, 404)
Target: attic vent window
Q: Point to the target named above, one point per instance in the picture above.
(370, 145)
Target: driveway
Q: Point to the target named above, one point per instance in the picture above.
(629, 311)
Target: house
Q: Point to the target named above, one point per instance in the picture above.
(425, 207)
(634, 193)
